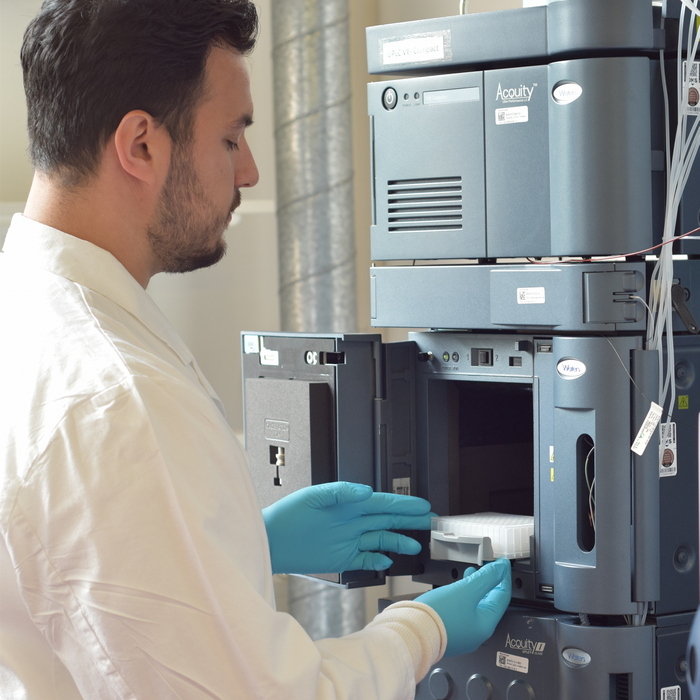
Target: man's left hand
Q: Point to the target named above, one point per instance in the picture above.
(341, 526)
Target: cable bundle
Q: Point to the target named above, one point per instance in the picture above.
(678, 165)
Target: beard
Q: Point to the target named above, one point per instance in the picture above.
(187, 229)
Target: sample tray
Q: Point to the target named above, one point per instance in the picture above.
(481, 537)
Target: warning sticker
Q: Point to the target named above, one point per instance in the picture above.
(512, 663)
(512, 115)
(671, 693)
(668, 452)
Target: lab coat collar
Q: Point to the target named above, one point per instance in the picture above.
(90, 266)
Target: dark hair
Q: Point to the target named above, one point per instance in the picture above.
(87, 63)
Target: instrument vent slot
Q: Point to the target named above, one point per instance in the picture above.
(428, 204)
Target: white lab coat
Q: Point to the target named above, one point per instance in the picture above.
(133, 560)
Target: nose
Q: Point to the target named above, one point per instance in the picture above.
(247, 174)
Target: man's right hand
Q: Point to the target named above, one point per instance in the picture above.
(471, 608)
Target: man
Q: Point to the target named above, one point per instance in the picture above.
(134, 560)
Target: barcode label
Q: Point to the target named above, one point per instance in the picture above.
(692, 80)
(671, 693)
(668, 452)
(512, 663)
(511, 115)
(531, 295)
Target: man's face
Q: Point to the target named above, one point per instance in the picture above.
(203, 184)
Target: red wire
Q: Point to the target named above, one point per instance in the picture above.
(621, 255)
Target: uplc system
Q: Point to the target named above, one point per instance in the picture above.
(534, 197)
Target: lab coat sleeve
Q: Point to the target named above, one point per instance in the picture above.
(420, 628)
(142, 557)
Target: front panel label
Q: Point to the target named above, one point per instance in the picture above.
(417, 48)
(512, 663)
(511, 115)
(276, 430)
(531, 295)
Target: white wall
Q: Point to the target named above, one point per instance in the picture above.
(211, 307)
(15, 171)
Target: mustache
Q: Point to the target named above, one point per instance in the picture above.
(236, 200)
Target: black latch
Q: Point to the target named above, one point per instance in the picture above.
(678, 299)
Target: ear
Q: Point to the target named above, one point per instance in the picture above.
(142, 147)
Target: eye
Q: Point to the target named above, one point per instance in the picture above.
(231, 145)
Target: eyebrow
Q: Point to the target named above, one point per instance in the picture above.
(242, 122)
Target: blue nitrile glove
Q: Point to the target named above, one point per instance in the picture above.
(471, 608)
(341, 526)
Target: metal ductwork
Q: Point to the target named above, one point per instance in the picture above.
(313, 146)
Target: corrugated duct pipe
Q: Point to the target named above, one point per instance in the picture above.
(311, 63)
(313, 146)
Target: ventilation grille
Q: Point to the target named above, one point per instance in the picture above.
(430, 204)
(620, 686)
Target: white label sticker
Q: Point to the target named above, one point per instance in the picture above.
(668, 454)
(647, 430)
(530, 295)
(672, 692)
(251, 344)
(401, 486)
(512, 663)
(416, 49)
(511, 115)
(269, 357)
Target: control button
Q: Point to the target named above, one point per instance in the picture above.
(389, 98)
(515, 361)
(520, 690)
(455, 357)
(479, 688)
(440, 684)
